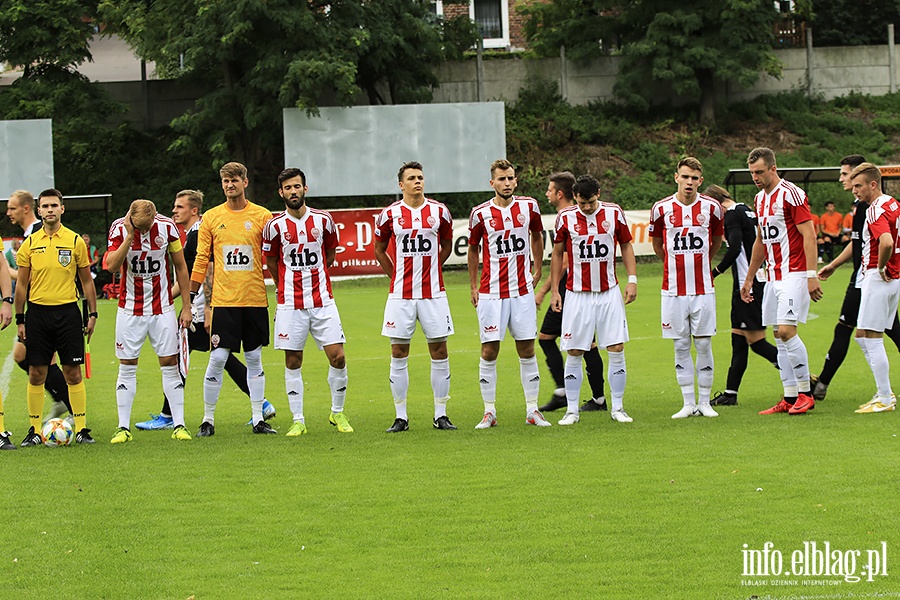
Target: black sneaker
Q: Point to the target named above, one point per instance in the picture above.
(556, 402)
(263, 427)
(207, 429)
(31, 439)
(594, 404)
(5, 442)
(84, 437)
(444, 423)
(398, 426)
(819, 391)
(723, 399)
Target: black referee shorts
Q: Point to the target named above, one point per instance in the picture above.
(552, 323)
(235, 325)
(50, 329)
(850, 307)
(748, 316)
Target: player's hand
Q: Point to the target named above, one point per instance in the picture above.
(536, 276)
(473, 296)
(881, 272)
(187, 316)
(89, 328)
(556, 302)
(630, 293)
(129, 226)
(539, 298)
(825, 272)
(21, 333)
(5, 315)
(815, 290)
(747, 292)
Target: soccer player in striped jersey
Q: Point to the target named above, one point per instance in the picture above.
(146, 246)
(587, 234)
(508, 229)
(413, 240)
(299, 245)
(686, 229)
(786, 240)
(879, 280)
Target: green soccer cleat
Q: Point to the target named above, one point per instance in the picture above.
(181, 433)
(122, 435)
(340, 421)
(298, 428)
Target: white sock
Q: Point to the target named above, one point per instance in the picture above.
(337, 382)
(400, 385)
(126, 385)
(531, 382)
(256, 382)
(440, 379)
(788, 381)
(573, 378)
(878, 362)
(684, 370)
(173, 388)
(616, 375)
(212, 383)
(487, 381)
(705, 368)
(293, 385)
(799, 358)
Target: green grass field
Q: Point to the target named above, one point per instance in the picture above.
(655, 509)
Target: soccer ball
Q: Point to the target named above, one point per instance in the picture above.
(57, 432)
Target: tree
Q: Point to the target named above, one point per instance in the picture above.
(690, 47)
(46, 34)
(853, 22)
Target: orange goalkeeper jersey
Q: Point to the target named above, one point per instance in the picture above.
(232, 239)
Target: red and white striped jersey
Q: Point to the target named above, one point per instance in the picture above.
(687, 232)
(590, 243)
(416, 234)
(146, 287)
(882, 216)
(504, 235)
(777, 216)
(300, 245)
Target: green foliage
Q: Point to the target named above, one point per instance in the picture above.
(640, 192)
(650, 157)
(38, 35)
(869, 19)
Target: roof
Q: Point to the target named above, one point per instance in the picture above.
(803, 176)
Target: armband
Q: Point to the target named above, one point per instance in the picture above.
(20, 318)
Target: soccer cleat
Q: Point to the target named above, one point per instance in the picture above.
(122, 435)
(556, 402)
(298, 428)
(688, 410)
(398, 426)
(84, 436)
(340, 421)
(263, 427)
(268, 412)
(31, 439)
(156, 422)
(444, 423)
(706, 410)
(804, 403)
(620, 416)
(723, 399)
(181, 433)
(537, 419)
(207, 429)
(5, 442)
(57, 411)
(487, 421)
(569, 418)
(781, 407)
(594, 404)
(874, 399)
(819, 390)
(877, 405)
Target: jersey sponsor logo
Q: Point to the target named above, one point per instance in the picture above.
(414, 245)
(592, 250)
(511, 245)
(687, 242)
(65, 257)
(305, 258)
(770, 233)
(146, 266)
(237, 257)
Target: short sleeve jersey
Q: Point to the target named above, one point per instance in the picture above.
(882, 217)
(300, 247)
(778, 214)
(146, 285)
(233, 240)
(417, 235)
(831, 223)
(590, 242)
(504, 235)
(687, 232)
(54, 261)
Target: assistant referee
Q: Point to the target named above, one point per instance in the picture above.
(49, 261)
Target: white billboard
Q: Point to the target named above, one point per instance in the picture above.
(26, 156)
(357, 151)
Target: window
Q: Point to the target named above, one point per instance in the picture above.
(492, 19)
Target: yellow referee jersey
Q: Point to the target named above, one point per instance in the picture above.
(54, 261)
(233, 239)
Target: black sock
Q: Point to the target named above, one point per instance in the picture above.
(894, 332)
(238, 372)
(57, 386)
(739, 354)
(554, 361)
(767, 350)
(836, 353)
(593, 365)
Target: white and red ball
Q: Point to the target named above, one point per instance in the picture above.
(57, 432)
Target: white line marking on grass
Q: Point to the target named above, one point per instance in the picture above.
(6, 372)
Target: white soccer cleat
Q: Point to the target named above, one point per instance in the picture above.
(487, 421)
(537, 419)
(706, 410)
(620, 416)
(685, 412)
(570, 418)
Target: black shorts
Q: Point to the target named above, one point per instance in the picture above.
(552, 323)
(850, 307)
(50, 329)
(748, 316)
(235, 325)
(199, 338)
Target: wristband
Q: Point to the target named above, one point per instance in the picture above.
(811, 274)
(9, 300)
(632, 279)
(93, 315)
(20, 318)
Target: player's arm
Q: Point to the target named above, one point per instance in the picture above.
(90, 294)
(845, 255)
(556, 266)
(182, 280)
(715, 245)
(658, 247)
(810, 248)
(472, 265)
(20, 296)
(382, 257)
(735, 239)
(757, 256)
(6, 292)
(630, 264)
(272, 265)
(446, 249)
(116, 257)
(885, 251)
(204, 247)
(537, 255)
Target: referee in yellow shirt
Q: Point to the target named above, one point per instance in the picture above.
(49, 259)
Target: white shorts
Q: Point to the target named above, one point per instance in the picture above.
(686, 316)
(495, 315)
(589, 314)
(400, 316)
(786, 302)
(293, 326)
(132, 330)
(878, 304)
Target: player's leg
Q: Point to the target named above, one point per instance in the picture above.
(520, 315)
(579, 327)
(551, 329)
(255, 336)
(165, 341)
(879, 301)
(840, 343)
(434, 317)
(337, 383)
(399, 325)
(70, 352)
(491, 330)
(611, 331)
(5, 441)
(293, 384)
(703, 328)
